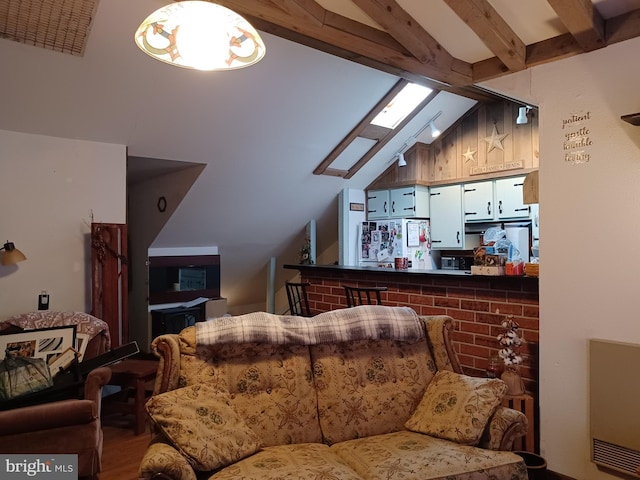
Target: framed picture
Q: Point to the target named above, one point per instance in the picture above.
(45, 343)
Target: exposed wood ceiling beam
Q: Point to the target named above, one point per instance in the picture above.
(408, 32)
(360, 41)
(490, 27)
(583, 21)
(407, 51)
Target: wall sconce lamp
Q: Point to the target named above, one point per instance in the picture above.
(401, 160)
(522, 117)
(11, 254)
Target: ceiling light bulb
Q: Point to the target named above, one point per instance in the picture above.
(401, 161)
(522, 116)
(435, 131)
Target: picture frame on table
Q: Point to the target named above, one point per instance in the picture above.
(44, 343)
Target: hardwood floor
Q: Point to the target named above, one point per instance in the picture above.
(122, 451)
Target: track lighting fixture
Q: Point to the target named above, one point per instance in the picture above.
(522, 115)
(435, 131)
(401, 160)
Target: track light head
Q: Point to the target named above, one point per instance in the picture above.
(401, 160)
(435, 131)
(522, 115)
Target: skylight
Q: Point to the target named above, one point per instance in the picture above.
(401, 105)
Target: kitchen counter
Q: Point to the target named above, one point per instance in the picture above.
(345, 269)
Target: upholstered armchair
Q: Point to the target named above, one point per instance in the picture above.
(70, 426)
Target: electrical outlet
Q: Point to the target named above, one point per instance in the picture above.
(43, 300)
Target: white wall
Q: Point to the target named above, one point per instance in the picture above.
(50, 188)
(590, 228)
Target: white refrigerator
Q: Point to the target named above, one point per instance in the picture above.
(381, 241)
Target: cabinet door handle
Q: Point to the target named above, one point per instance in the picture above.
(500, 206)
(393, 206)
(410, 208)
(385, 207)
(525, 209)
(489, 208)
(433, 194)
(470, 190)
(518, 184)
(470, 213)
(436, 241)
(412, 194)
(458, 236)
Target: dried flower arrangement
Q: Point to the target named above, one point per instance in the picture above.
(510, 341)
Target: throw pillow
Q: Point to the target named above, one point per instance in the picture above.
(457, 407)
(203, 425)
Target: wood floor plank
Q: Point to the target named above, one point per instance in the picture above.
(122, 451)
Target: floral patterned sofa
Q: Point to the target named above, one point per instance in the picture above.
(369, 392)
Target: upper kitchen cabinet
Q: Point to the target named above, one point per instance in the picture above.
(494, 200)
(398, 203)
(447, 223)
(409, 202)
(509, 199)
(377, 204)
(478, 201)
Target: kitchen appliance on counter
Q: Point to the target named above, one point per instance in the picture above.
(382, 241)
(456, 262)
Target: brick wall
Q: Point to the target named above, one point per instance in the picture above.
(473, 302)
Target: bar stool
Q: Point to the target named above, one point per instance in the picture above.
(363, 295)
(298, 300)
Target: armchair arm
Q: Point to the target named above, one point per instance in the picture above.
(96, 379)
(161, 461)
(504, 426)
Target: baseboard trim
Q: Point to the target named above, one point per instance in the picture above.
(557, 476)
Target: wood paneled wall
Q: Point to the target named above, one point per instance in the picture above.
(444, 161)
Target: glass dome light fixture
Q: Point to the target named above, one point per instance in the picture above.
(200, 35)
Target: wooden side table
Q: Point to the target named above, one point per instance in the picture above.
(132, 375)
(523, 403)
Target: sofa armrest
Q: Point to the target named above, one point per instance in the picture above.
(162, 461)
(504, 426)
(96, 379)
(167, 349)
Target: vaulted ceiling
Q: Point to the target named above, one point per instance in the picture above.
(262, 131)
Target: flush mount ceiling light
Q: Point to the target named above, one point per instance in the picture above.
(401, 160)
(200, 35)
(522, 115)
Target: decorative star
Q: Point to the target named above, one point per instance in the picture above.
(495, 140)
(468, 155)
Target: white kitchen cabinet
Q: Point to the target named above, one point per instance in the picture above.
(478, 201)
(377, 204)
(508, 194)
(447, 222)
(409, 202)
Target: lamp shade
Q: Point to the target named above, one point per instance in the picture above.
(11, 254)
(522, 116)
(200, 35)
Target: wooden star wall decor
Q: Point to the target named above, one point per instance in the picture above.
(495, 140)
(468, 155)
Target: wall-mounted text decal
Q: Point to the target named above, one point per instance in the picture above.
(576, 141)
